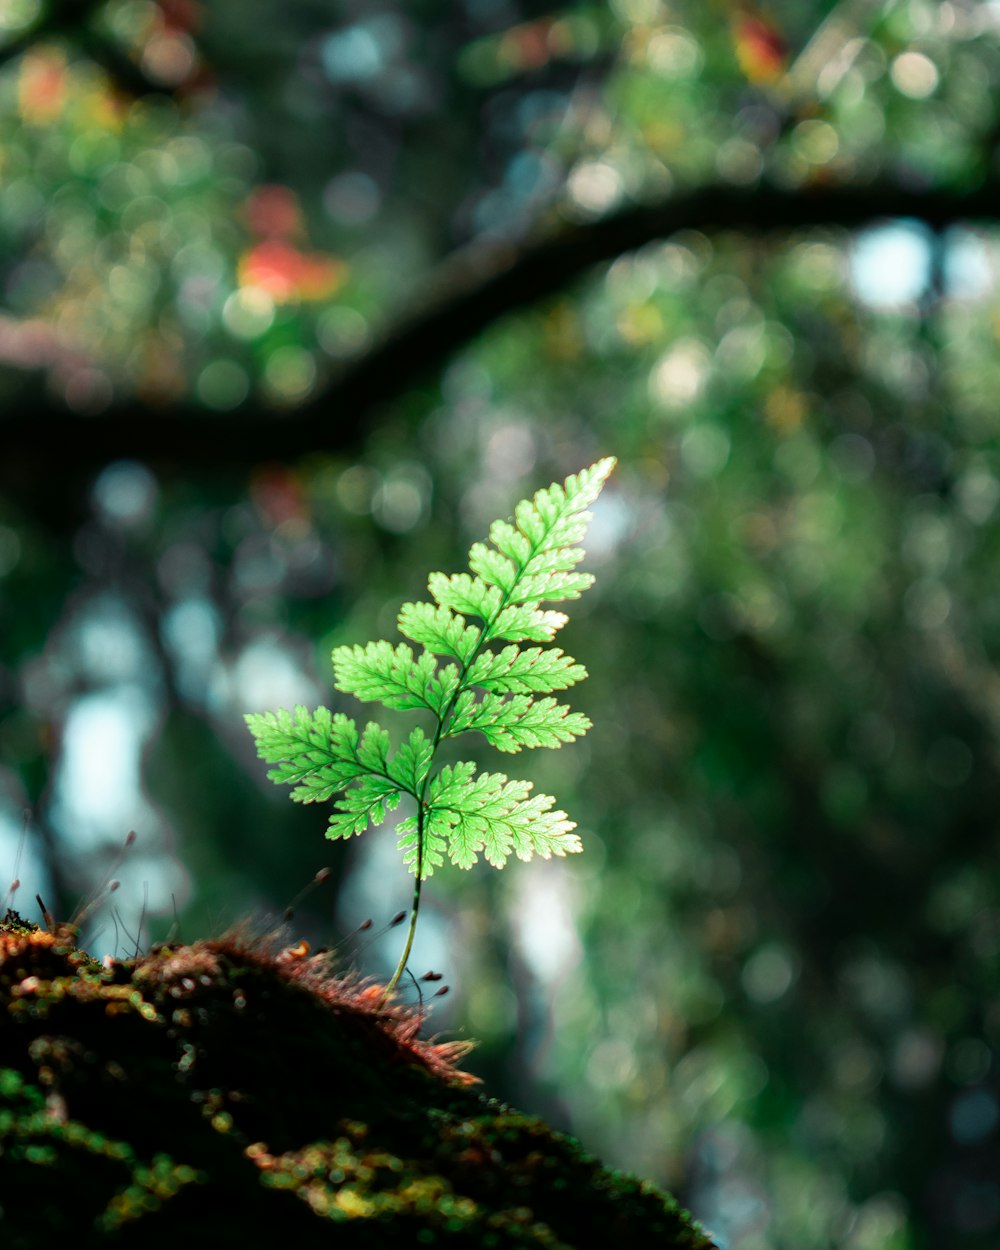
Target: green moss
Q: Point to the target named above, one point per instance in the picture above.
(242, 1090)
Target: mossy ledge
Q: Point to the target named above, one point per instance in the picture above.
(238, 1088)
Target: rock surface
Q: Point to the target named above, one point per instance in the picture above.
(238, 1088)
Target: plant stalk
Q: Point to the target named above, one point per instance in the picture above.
(439, 733)
(415, 907)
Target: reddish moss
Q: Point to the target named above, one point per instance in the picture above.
(239, 1088)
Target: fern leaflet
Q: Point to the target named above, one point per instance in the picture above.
(465, 685)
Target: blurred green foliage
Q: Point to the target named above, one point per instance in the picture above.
(771, 980)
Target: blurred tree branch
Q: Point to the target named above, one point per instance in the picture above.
(42, 440)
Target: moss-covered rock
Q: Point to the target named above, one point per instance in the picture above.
(238, 1088)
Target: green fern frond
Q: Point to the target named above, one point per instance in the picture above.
(465, 687)
(411, 764)
(317, 749)
(364, 804)
(530, 671)
(517, 720)
(439, 630)
(520, 622)
(468, 595)
(392, 676)
(495, 815)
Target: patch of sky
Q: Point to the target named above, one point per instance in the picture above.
(20, 860)
(970, 268)
(98, 791)
(890, 265)
(266, 675)
(543, 920)
(191, 634)
(361, 52)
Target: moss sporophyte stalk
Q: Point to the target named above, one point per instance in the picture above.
(468, 683)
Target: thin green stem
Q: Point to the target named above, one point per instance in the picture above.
(415, 908)
(439, 733)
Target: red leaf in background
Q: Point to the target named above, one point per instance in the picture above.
(761, 49)
(286, 274)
